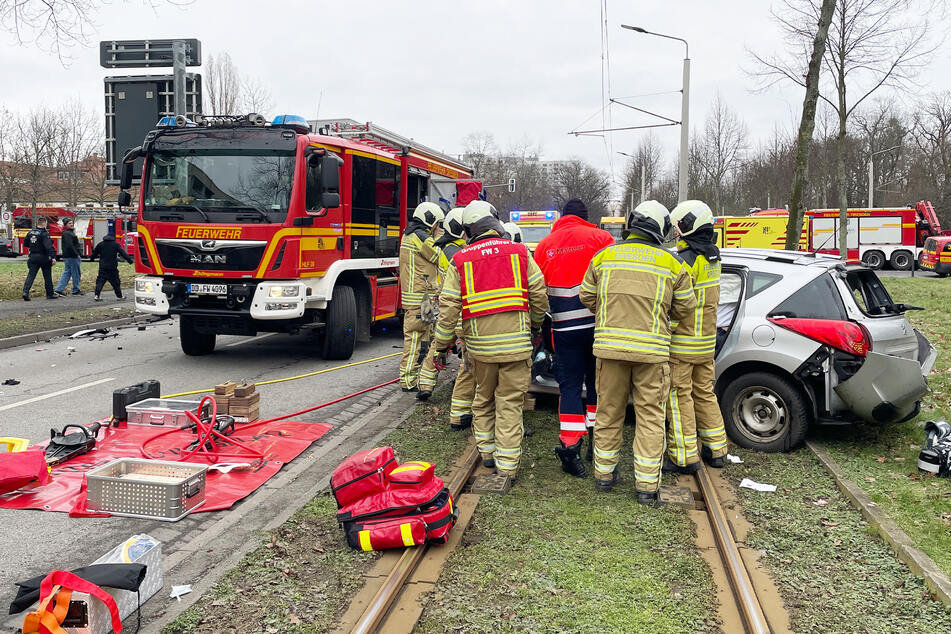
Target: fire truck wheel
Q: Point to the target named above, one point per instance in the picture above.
(874, 260)
(902, 260)
(194, 343)
(340, 334)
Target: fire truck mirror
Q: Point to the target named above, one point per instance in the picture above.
(330, 200)
(330, 174)
(125, 176)
(124, 199)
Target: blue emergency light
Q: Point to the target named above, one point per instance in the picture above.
(295, 122)
(176, 121)
(514, 216)
(549, 215)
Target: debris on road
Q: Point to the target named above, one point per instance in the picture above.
(11, 382)
(757, 486)
(734, 459)
(179, 591)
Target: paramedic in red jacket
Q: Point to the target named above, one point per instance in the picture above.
(564, 256)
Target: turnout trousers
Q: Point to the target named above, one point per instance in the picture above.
(416, 334)
(497, 410)
(651, 385)
(574, 370)
(693, 412)
(463, 391)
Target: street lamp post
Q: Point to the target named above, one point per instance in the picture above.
(684, 107)
(871, 174)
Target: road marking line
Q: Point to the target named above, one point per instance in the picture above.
(250, 339)
(52, 394)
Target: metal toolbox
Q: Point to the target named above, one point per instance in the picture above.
(152, 489)
(161, 411)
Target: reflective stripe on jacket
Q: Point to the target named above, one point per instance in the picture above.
(446, 253)
(563, 256)
(418, 259)
(498, 336)
(635, 288)
(695, 338)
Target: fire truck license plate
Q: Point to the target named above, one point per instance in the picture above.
(208, 289)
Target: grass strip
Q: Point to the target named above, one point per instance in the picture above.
(13, 274)
(834, 573)
(12, 326)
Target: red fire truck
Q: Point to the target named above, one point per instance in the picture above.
(246, 226)
(91, 226)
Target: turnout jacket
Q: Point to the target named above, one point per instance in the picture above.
(563, 256)
(419, 257)
(446, 251)
(500, 293)
(695, 337)
(635, 288)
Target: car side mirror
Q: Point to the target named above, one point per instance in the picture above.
(124, 199)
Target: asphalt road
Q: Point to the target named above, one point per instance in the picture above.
(58, 387)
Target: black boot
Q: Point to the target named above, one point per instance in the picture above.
(605, 486)
(672, 467)
(571, 462)
(488, 463)
(647, 499)
(589, 453)
(423, 395)
(465, 422)
(707, 455)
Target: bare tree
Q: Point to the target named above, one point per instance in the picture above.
(8, 166)
(577, 179)
(255, 96)
(646, 163)
(871, 44)
(34, 153)
(222, 85)
(78, 137)
(720, 148)
(478, 149)
(930, 172)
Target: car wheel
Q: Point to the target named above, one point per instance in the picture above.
(902, 260)
(194, 343)
(765, 411)
(340, 334)
(874, 260)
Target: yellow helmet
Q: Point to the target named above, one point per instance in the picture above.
(428, 214)
(452, 223)
(691, 215)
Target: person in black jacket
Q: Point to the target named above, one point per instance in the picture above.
(108, 251)
(69, 245)
(42, 258)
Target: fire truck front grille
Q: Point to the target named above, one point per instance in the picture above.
(210, 257)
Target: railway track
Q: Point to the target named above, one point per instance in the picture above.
(390, 603)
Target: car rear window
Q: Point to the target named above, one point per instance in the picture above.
(869, 292)
(757, 282)
(819, 299)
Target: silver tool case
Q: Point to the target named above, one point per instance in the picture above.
(152, 489)
(161, 411)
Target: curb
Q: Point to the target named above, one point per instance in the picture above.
(35, 337)
(919, 563)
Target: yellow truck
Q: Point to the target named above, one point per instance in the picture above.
(614, 225)
(535, 225)
(756, 232)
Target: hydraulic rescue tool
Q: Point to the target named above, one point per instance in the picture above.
(64, 445)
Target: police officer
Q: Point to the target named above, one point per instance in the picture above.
(419, 257)
(693, 409)
(42, 258)
(563, 256)
(634, 288)
(460, 413)
(500, 293)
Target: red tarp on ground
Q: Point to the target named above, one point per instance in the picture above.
(280, 442)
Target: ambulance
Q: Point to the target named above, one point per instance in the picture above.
(535, 225)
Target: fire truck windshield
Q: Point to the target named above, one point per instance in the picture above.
(232, 186)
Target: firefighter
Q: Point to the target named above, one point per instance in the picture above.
(693, 410)
(634, 288)
(563, 256)
(512, 232)
(419, 257)
(460, 412)
(42, 258)
(500, 293)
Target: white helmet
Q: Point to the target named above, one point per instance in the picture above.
(479, 217)
(512, 231)
(428, 214)
(691, 215)
(452, 223)
(650, 217)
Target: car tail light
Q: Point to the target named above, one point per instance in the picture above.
(847, 336)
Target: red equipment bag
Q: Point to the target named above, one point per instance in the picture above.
(22, 467)
(414, 473)
(362, 474)
(395, 501)
(428, 524)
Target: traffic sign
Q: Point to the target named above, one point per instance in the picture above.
(6, 216)
(145, 53)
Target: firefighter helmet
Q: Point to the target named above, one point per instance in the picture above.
(428, 214)
(479, 217)
(650, 217)
(691, 215)
(452, 223)
(512, 231)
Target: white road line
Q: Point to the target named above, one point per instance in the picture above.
(52, 394)
(249, 340)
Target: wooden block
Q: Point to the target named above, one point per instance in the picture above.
(245, 389)
(225, 389)
(222, 402)
(246, 401)
(529, 403)
(247, 416)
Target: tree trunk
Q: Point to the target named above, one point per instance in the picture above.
(807, 125)
(843, 192)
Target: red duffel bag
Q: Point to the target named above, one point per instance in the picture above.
(428, 524)
(362, 474)
(393, 501)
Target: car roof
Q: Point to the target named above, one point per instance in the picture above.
(800, 258)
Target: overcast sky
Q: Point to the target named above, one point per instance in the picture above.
(435, 71)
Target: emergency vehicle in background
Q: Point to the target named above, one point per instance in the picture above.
(535, 225)
(92, 224)
(247, 226)
(613, 225)
(755, 232)
(936, 255)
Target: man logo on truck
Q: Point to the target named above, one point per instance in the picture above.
(198, 258)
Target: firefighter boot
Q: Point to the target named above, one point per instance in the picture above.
(571, 462)
(707, 455)
(423, 395)
(488, 461)
(465, 421)
(671, 467)
(605, 486)
(647, 499)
